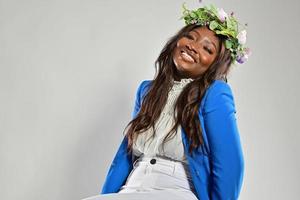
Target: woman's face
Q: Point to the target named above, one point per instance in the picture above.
(195, 52)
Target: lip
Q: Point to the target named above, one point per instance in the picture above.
(187, 52)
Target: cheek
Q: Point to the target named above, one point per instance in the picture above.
(176, 51)
(181, 42)
(207, 60)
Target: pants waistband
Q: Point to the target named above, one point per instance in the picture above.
(177, 166)
(159, 172)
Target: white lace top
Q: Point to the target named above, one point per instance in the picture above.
(173, 147)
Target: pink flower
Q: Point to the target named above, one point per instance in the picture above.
(242, 37)
(247, 51)
(222, 15)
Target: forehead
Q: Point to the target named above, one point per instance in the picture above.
(206, 32)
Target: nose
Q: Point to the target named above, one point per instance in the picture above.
(190, 46)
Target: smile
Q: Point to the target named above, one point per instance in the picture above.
(187, 57)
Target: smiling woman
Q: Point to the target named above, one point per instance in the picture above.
(196, 51)
(183, 141)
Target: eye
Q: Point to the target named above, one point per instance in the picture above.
(208, 50)
(189, 36)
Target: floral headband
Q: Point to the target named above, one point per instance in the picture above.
(221, 24)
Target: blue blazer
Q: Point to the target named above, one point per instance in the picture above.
(217, 167)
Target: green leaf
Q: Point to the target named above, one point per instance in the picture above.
(231, 24)
(213, 25)
(228, 44)
(225, 32)
(193, 14)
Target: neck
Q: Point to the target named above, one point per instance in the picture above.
(178, 76)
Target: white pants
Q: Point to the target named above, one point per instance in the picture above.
(155, 178)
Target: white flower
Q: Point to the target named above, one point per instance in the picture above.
(242, 37)
(222, 15)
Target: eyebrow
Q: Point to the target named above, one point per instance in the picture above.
(205, 39)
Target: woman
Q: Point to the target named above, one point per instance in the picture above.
(183, 141)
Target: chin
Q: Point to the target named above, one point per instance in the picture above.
(182, 66)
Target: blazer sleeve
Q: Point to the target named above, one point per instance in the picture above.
(226, 156)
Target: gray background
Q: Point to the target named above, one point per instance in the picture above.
(69, 71)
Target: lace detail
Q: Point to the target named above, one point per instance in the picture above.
(180, 84)
(177, 87)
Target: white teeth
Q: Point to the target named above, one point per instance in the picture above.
(187, 56)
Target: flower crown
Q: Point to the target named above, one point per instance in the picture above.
(221, 24)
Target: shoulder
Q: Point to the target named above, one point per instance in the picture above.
(142, 88)
(217, 94)
(218, 86)
(144, 84)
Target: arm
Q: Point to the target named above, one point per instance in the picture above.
(226, 156)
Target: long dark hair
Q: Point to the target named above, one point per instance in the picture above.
(188, 101)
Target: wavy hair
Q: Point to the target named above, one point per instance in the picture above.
(187, 103)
